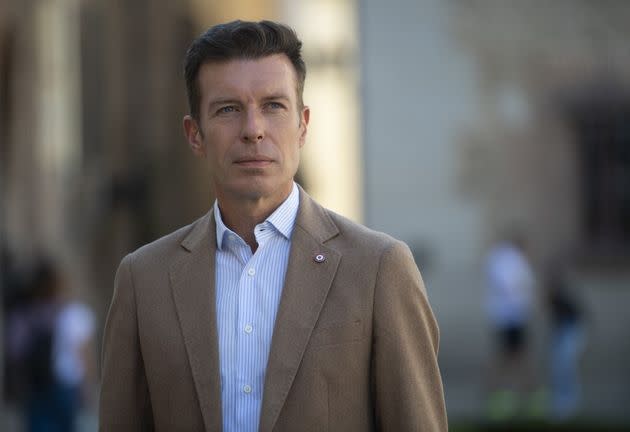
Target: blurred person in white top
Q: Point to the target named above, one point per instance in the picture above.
(510, 283)
(73, 356)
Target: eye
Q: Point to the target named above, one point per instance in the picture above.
(227, 109)
(275, 105)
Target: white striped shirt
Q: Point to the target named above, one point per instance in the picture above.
(248, 288)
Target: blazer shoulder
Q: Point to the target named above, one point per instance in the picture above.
(360, 236)
(161, 249)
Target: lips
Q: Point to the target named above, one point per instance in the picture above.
(253, 161)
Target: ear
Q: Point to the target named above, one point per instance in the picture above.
(304, 119)
(194, 136)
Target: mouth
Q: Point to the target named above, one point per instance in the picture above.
(253, 162)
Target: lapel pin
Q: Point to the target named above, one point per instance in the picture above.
(319, 258)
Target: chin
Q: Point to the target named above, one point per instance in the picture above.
(249, 191)
(255, 190)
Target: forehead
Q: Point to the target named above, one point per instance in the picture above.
(265, 75)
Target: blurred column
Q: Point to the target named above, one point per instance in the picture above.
(58, 137)
(332, 158)
(19, 191)
(45, 129)
(207, 13)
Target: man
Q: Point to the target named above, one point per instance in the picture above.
(270, 312)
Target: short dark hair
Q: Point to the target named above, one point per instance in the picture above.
(241, 40)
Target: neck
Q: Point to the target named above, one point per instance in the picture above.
(242, 215)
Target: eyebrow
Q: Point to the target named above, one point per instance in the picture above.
(276, 96)
(223, 101)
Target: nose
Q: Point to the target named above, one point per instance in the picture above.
(253, 127)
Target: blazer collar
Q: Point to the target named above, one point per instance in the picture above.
(313, 219)
(193, 285)
(200, 232)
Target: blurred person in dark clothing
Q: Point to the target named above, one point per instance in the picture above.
(14, 296)
(567, 343)
(50, 346)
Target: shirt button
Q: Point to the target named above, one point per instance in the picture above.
(248, 328)
(251, 271)
(247, 389)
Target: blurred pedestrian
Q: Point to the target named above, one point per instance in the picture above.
(567, 343)
(14, 297)
(509, 298)
(51, 339)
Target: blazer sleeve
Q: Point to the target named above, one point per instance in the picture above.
(124, 401)
(407, 386)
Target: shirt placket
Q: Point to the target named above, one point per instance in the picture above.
(246, 327)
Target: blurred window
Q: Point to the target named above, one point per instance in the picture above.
(602, 124)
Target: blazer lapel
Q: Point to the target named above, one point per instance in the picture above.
(305, 289)
(193, 284)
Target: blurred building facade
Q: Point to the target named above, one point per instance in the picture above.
(484, 116)
(442, 123)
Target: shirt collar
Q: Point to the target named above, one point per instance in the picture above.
(282, 219)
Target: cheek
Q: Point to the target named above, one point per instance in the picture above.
(218, 145)
(293, 155)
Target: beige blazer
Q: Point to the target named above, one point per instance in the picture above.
(354, 346)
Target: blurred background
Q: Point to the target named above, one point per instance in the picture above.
(491, 136)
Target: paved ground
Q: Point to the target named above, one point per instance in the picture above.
(11, 421)
(605, 363)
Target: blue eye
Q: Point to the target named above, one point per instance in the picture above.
(275, 105)
(226, 109)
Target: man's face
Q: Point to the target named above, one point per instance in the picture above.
(250, 129)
